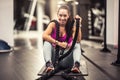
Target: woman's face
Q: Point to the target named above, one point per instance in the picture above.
(63, 16)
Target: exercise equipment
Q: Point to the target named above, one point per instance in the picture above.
(4, 47)
(63, 67)
(30, 15)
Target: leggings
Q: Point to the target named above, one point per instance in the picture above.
(48, 51)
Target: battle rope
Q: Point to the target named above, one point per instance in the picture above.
(55, 62)
(73, 44)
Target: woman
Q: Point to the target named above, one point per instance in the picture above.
(66, 35)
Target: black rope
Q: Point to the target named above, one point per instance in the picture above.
(74, 41)
(55, 62)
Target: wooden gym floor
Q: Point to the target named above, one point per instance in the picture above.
(26, 60)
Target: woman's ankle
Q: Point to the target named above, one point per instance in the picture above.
(75, 67)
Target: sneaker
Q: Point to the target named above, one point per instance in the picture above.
(75, 68)
(49, 66)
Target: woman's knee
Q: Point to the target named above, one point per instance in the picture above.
(47, 46)
(46, 43)
(77, 45)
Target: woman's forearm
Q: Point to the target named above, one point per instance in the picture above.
(79, 35)
(48, 38)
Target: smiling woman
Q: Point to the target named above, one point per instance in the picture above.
(61, 38)
(63, 15)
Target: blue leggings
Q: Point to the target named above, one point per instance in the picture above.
(48, 51)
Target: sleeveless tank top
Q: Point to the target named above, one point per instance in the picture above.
(61, 39)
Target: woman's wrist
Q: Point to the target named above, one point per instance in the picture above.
(56, 42)
(67, 46)
(80, 25)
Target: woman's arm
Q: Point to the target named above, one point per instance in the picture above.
(47, 33)
(79, 34)
(74, 29)
(47, 36)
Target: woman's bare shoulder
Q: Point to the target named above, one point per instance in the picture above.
(51, 24)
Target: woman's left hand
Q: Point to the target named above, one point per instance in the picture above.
(78, 17)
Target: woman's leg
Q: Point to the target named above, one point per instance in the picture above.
(76, 57)
(73, 57)
(47, 51)
(67, 62)
(77, 53)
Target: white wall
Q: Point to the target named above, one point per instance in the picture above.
(6, 21)
(112, 22)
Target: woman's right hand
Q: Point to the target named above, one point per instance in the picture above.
(63, 44)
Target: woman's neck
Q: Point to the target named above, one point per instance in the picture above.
(62, 25)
